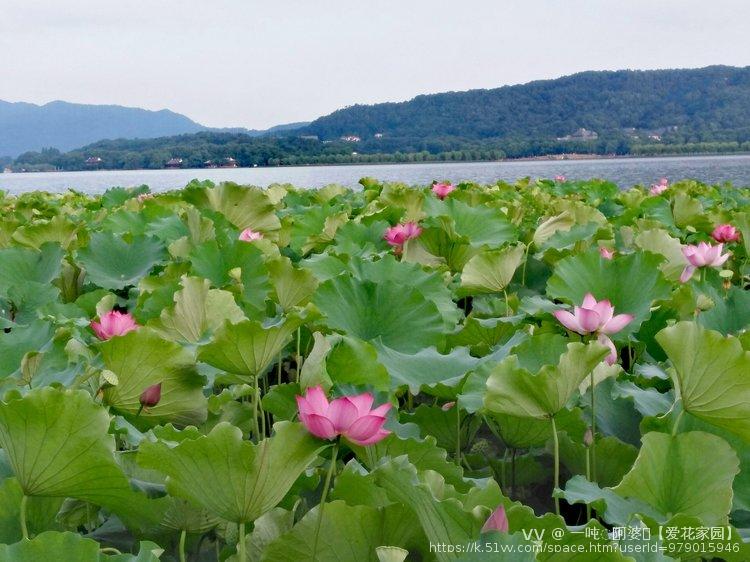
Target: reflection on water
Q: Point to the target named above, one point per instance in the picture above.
(625, 171)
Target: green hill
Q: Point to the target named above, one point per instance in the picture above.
(622, 107)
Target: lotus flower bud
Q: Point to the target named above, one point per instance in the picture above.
(498, 521)
(588, 437)
(151, 396)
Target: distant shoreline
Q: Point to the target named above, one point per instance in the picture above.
(573, 157)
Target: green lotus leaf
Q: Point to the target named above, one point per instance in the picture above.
(182, 515)
(742, 220)
(231, 478)
(21, 265)
(21, 340)
(688, 211)
(730, 313)
(524, 432)
(491, 271)
(730, 546)
(512, 389)
(689, 473)
(342, 360)
(307, 226)
(710, 372)
(40, 512)
(58, 446)
(359, 239)
(658, 211)
(291, 286)
(266, 529)
(442, 424)
(658, 241)
(631, 282)
(221, 264)
(141, 359)
(58, 230)
(347, 533)
(613, 458)
(430, 284)
(563, 240)
(247, 348)
(558, 223)
(620, 417)
(426, 367)
(244, 207)
(480, 225)
(113, 263)
(483, 334)
(198, 310)
(424, 454)
(399, 315)
(611, 507)
(52, 545)
(436, 246)
(445, 515)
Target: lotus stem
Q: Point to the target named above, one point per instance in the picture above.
(299, 354)
(278, 370)
(513, 472)
(458, 435)
(323, 497)
(525, 261)
(588, 477)
(262, 417)
(593, 428)
(502, 469)
(507, 306)
(241, 544)
(557, 464)
(256, 426)
(22, 515)
(183, 534)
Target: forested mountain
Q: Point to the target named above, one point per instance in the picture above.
(620, 112)
(693, 105)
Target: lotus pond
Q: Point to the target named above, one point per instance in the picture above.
(545, 370)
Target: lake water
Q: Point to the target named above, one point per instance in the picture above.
(624, 171)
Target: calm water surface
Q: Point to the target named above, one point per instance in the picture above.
(625, 172)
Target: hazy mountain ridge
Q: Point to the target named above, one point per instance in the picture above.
(67, 126)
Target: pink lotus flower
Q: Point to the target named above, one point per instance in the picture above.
(248, 235)
(114, 323)
(497, 521)
(144, 196)
(606, 253)
(659, 188)
(725, 233)
(442, 189)
(702, 255)
(398, 235)
(560, 179)
(350, 416)
(595, 317)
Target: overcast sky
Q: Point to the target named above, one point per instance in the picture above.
(256, 64)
